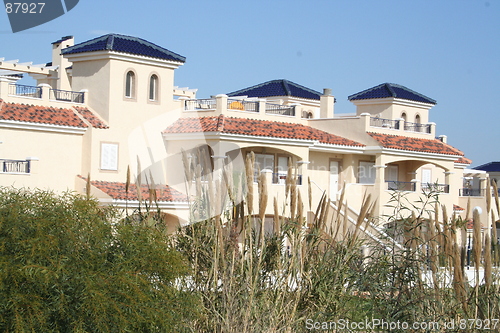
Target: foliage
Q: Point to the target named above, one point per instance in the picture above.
(67, 265)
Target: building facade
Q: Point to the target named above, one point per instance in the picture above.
(109, 104)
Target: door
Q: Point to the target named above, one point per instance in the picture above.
(334, 180)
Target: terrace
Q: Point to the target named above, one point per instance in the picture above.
(42, 92)
(221, 102)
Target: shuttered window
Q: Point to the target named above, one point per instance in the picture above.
(109, 156)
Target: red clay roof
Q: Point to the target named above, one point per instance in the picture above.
(40, 114)
(457, 208)
(116, 190)
(434, 146)
(253, 127)
(90, 117)
(463, 160)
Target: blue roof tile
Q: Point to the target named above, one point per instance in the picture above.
(277, 88)
(386, 90)
(124, 44)
(489, 167)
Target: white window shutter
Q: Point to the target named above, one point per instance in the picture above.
(109, 156)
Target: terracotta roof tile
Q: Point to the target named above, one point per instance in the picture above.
(463, 160)
(116, 190)
(89, 116)
(252, 127)
(457, 208)
(40, 114)
(434, 146)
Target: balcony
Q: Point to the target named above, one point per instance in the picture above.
(15, 166)
(432, 187)
(396, 125)
(415, 127)
(25, 91)
(44, 92)
(67, 96)
(393, 185)
(212, 104)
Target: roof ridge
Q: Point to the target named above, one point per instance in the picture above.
(391, 91)
(110, 42)
(220, 123)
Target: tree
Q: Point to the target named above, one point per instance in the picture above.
(68, 265)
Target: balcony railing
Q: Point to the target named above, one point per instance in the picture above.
(385, 123)
(235, 104)
(415, 127)
(470, 192)
(394, 185)
(68, 96)
(25, 91)
(14, 166)
(283, 110)
(441, 188)
(200, 104)
(280, 178)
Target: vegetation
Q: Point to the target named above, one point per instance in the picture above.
(67, 265)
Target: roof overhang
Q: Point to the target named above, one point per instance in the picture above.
(42, 127)
(113, 55)
(178, 205)
(313, 145)
(410, 153)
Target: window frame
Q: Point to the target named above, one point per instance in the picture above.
(130, 89)
(154, 89)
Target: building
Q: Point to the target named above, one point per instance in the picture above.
(110, 103)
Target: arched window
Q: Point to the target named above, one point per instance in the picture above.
(153, 88)
(418, 127)
(403, 115)
(130, 85)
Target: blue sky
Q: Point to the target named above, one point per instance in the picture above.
(448, 50)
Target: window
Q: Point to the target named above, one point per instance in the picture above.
(366, 172)
(263, 162)
(403, 115)
(426, 178)
(130, 85)
(109, 156)
(153, 88)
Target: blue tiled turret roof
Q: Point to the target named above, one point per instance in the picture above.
(124, 44)
(277, 88)
(385, 90)
(489, 167)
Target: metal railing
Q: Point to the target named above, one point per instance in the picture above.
(283, 110)
(241, 105)
(25, 91)
(14, 166)
(68, 96)
(280, 178)
(441, 188)
(469, 192)
(385, 123)
(395, 185)
(416, 127)
(200, 104)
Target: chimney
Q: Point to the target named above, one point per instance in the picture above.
(326, 104)
(63, 81)
(443, 138)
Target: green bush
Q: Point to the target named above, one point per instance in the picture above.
(68, 265)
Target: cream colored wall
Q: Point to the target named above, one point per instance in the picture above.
(58, 154)
(95, 77)
(134, 123)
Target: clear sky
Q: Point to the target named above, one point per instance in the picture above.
(448, 50)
